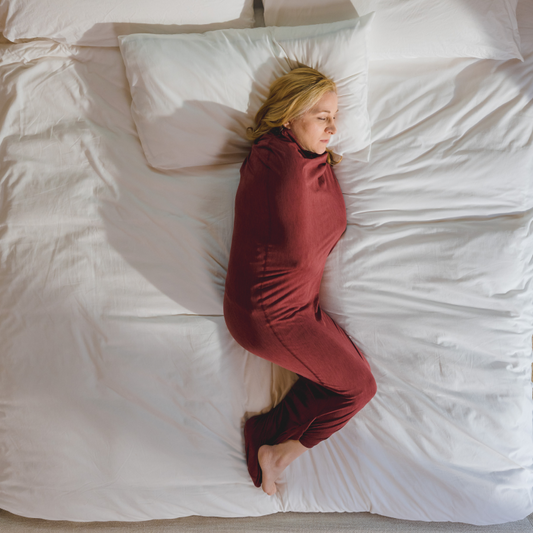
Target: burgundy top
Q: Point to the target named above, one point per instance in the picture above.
(289, 214)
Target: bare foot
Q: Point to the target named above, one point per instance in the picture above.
(273, 460)
(270, 470)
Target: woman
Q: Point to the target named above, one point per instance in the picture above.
(289, 214)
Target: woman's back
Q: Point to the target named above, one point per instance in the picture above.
(289, 214)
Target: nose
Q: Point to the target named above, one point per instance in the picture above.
(332, 128)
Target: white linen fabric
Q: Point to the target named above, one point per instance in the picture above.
(194, 96)
(416, 28)
(99, 22)
(3, 10)
(123, 393)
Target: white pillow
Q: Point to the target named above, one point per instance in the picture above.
(416, 28)
(99, 22)
(195, 95)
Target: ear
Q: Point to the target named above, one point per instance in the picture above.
(287, 125)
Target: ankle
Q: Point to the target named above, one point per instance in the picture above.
(287, 452)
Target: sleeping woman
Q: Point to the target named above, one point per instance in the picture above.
(289, 214)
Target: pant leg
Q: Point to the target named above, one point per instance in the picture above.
(335, 378)
(328, 393)
(311, 413)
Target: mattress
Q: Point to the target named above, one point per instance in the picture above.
(123, 394)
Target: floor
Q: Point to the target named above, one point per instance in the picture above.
(278, 523)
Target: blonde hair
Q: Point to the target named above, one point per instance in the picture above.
(291, 96)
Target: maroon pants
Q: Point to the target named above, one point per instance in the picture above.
(311, 412)
(333, 385)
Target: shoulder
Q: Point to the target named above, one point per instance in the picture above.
(277, 144)
(276, 152)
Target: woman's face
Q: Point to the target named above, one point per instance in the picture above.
(314, 129)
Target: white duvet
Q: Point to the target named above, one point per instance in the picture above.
(122, 392)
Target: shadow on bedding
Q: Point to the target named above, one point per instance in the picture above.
(93, 36)
(174, 228)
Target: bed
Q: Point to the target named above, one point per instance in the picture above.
(123, 394)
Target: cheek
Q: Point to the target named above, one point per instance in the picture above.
(311, 129)
(309, 133)
(318, 130)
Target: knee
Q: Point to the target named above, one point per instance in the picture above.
(371, 386)
(365, 388)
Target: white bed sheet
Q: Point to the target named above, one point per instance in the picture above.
(122, 392)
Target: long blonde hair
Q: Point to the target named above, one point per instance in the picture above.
(291, 96)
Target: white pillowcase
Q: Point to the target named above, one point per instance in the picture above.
(416, 28)
(100, 22)
(194, 96)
